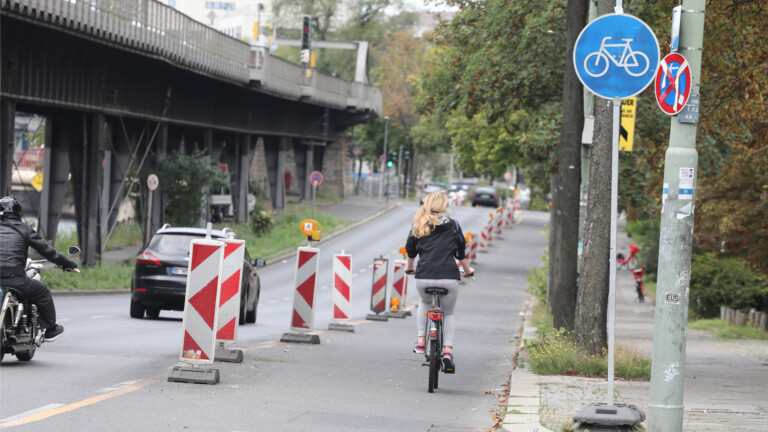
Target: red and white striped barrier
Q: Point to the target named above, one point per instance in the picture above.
(499, 221)
(473, 247)
(342, 287)
(483, 238)
(398, 282)
(379, 289)
(489, 231)
(305, 283)
(202, 298)
(229, 299)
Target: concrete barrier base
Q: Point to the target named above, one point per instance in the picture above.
(195, 375)
(228, 355)
(341, 327)
(399, 314)
(300, 338)
(377, 317)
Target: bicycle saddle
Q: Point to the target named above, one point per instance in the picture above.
(436, 290)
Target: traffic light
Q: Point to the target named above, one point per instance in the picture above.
(391, 157)
(306, 39)
(306, 33)
(406, 155)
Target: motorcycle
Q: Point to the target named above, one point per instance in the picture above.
(20, 332)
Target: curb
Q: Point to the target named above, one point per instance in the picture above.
(75, 293)
(522, 408)
(291, 252)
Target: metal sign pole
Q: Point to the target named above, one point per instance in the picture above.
(612, 263)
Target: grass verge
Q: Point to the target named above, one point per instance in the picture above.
(285, 234)
(725, 330)
(105, 276)
(555, 352)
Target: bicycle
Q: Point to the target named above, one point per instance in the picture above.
(433, 350)
(627, 54)
(631, 260)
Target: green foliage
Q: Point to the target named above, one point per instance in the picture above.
(285, 235)
(537, 280)
(104, 276)
(725, 330)
(182, 179)
(555, 352)
(326, 194)
(724, 281)
(645, 234)
(261, 223)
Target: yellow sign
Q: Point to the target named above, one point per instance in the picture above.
(256, 30)
(627, 129)
(311, 229)
(37, 182)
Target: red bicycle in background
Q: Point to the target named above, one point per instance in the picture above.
(630, 261)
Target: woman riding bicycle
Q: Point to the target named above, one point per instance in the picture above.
(438, 242)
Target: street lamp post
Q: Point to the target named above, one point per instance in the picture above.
(386, 129)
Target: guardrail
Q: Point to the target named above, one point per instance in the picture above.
(152, 27)
(28, 158)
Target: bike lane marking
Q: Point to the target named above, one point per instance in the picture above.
(61, 409)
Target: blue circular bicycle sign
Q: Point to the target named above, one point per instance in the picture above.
(616, 56)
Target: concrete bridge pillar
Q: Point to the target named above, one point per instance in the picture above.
(245, 155)
(305, 163)
(58, 139)
(7, 124)
(274, 149)
(86, 167)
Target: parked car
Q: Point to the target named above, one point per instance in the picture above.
(485, 196)
(432, 187)
(160, 278)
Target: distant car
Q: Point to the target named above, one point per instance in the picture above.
(485, 196)
(432, 187)
(160, 278)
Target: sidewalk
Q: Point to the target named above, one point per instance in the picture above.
(724, 380)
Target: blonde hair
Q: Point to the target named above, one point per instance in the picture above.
(435, 206)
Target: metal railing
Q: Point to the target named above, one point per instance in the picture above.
(28, 158)
(155, 28)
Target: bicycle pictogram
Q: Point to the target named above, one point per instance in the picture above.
(635, 63)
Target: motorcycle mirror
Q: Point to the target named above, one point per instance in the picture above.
(73, 251)
(259, 262)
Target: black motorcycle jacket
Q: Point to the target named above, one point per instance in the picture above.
(16, 238)
(438, 251)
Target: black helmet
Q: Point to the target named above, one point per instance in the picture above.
(10, 208)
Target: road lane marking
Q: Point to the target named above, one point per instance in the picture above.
(101, 316)
(118, 386)
(272, 301)
(77, 405)
(286, 298)
(32, 412)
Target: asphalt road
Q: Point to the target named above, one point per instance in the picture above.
(109, 372)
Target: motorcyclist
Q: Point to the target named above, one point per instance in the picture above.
(15, 239)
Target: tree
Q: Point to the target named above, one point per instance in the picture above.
(564, 234)
(184, 178)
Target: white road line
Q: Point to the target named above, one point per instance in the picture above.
(102, 316)
(272, 301)
(287, 298)
(33, 412)
(117, 387)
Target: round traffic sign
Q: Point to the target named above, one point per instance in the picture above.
(356, 150)
(316, 178)
(152, 182)
(383, 158)
(615, 56)
(507, 176)
(673, 83)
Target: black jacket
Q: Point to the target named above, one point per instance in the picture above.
(16, 238)
(438, 251)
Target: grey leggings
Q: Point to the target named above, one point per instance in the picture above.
(447, 304)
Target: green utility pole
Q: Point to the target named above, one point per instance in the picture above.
(665, 409)
(586, 150)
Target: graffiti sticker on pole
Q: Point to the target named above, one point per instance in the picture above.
(673, 83)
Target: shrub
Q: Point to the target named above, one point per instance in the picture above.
(537, 280)
(261, 223)
(724, 281)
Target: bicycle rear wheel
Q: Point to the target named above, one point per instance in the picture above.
(434, 366)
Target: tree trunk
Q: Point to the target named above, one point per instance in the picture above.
(565, 203)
